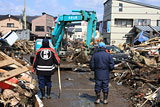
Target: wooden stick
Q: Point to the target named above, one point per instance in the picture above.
(150, 97)
(40, 103)
(59, 80)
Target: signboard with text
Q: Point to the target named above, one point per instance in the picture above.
(108, 26)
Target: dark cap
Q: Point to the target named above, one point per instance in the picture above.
(45, 43)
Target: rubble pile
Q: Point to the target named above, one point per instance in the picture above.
(147, 52)
(141, 74)
(76, 53)
(24, 46)
(17, 85)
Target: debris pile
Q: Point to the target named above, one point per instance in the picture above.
(141, 74)
(24, 46)
(76, 55)
(17, 85)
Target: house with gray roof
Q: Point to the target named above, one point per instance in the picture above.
(14, 22)
(120, 16)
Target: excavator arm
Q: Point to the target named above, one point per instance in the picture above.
(89, 16)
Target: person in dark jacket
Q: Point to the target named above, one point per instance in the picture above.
(102, 64)
(44, 64)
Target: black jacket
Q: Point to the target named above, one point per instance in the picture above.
(102, 63)
(45, 61)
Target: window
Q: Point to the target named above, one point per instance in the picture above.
(124, 22)
(40, 28)
(10, 24)
(120, 7)
(158, 22)
(142, 22)
(49, 29)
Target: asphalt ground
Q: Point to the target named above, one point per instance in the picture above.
(78, 91)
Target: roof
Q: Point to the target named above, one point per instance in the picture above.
(148, 28)
(28, 18)
(138, 3)
(142, 28)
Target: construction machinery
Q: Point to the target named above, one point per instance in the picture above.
(89, 16)
(60, 27)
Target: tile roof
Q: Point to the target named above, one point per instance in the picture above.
(28, 18)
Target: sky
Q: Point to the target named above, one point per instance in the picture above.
(57, 7)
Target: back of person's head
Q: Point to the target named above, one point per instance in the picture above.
(102, 45)
(45, 43)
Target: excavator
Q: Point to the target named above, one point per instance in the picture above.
(60, 27)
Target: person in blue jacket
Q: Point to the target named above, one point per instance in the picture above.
(102, 64)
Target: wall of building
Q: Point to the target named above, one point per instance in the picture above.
(3, 25)
(46, 21)
(40, 21)
(129, 11)
(106, 18)
(50, 22)
(84, 25)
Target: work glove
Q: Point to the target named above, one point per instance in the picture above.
(33, 71)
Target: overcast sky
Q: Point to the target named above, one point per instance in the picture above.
(55, 7)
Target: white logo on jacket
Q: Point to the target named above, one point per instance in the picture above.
(45, 54)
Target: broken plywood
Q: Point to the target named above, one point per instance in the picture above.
(7, 61)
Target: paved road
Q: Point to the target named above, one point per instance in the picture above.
(78, 91)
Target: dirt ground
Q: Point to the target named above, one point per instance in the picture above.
(78, 91)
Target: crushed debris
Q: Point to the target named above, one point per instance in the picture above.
(141, 74)
(24, 46)
(17, 85)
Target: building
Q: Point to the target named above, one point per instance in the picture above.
(42, 25)
(13, 22)
(77, 31)
(121, 15)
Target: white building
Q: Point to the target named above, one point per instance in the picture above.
(121, 15)
(78, 31)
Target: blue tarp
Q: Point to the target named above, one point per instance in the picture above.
(141, 38)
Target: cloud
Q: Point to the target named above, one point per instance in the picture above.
(31, 12)
(88, 3)
(96, 5)
(11, 8)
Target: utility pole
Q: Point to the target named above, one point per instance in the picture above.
(24, 15)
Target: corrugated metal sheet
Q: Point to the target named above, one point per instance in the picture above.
(23, 34)
(156, 27)
(144, 28)
(148, 28)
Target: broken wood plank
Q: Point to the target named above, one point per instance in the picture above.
(13, 73)
(8, 60)
(17, 67)
(2, 71)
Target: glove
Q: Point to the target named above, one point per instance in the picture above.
(58, 64)
(32, 70)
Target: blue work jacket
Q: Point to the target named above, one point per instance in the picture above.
(101, 63)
